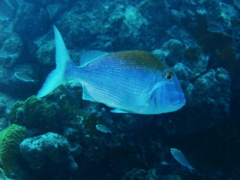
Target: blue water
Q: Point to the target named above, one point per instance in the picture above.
(199, 39)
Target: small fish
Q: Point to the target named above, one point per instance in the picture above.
(164, 163)
(104, 37)
(129, 81)
(216, 29)
(24, 77)
(179, 156)
(103, 128)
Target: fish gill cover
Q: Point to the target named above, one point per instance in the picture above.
(198, 40)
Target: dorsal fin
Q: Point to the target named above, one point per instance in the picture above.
(91, 56)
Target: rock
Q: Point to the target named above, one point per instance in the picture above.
(141, 174)
(31, 21)
(11, 50)
(213, 89)
(42, 49)
(48, 150)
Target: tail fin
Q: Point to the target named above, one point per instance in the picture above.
(56, 77)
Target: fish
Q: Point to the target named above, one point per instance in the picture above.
(180, 157)
(128, 81)
(24, 77)
(103, 128)
(104, 37)
(216, 29)
(164, 163)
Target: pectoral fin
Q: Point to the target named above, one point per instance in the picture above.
(118, 111)
(144, 99)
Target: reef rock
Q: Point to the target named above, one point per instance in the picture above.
(11, 50)
(141, 174)
(49, 151)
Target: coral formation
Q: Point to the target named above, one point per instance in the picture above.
(51, 151)
(11, 51)
(27, 27)
(133, 19)
(141, 174)
(34, 113)
(3, 176)
(43, 50)
(212, 87)
(199, 40)
(10, 138)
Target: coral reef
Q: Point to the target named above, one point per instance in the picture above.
(13, 88)
(199, 40)
(34, 113)
(10, 138)
(11, 51)
(43, 50)
(212, 87)
(50, 151)
(3, 176)
(27, 27)
(140, 174)
(173, 52)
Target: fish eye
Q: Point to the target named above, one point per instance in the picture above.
(168, 75)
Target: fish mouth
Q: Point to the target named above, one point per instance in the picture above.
(179, 98)
(180, 103)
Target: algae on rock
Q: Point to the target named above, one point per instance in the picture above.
(35, 113)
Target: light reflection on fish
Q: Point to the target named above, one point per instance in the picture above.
(130, 81)
(24, 77)
(103, 128)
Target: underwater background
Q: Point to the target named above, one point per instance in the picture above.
(55, 137)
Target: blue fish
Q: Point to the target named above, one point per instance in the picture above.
(129, 81)
(179, 156)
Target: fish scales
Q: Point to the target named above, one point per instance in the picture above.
(118, 70)
(129, 81)
(119, 96)
(122, 78)
(99, 80)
